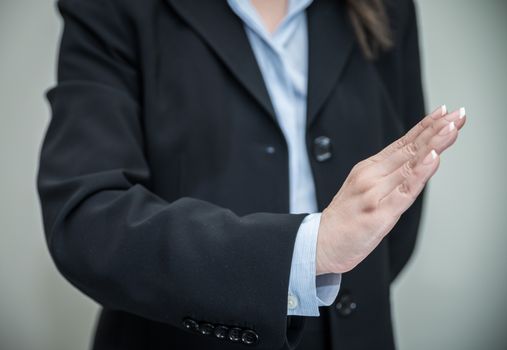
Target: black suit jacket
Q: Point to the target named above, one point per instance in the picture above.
(161, 195)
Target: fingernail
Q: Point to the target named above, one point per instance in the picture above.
(462, 112)
(430, 157)
(439, 112)
(447, 129)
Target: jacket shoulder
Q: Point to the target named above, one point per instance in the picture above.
(123, 9)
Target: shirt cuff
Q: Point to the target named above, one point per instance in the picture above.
(306, 290)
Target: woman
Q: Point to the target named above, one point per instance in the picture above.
(216, 171)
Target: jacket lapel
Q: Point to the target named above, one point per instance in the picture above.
(330, 42)
(220, 28)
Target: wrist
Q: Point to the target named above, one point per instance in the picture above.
(322, 261)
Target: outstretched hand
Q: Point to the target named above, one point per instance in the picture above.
(381, 188)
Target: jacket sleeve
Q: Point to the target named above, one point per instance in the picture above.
(120, 243)
(402, 238)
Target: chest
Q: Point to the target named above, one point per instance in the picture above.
(211, 134)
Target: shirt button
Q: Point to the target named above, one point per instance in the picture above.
(322, 148)
(292, 302)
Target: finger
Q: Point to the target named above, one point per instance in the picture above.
(435, 136)
(460, 121)
(456, 116)
(442, 140)
(409, 169)
(415, 131)
(405, 193)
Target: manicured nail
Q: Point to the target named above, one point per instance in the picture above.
(462, 112)
(447, 129)
(439, 112)
(430, 157)
(443, 110)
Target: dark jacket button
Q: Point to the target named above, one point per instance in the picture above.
(249, 337)
(206, 328)
(270, 150)
(190, 324)
(235, 334)
(221, 332)
(345, 305)
(322, 148)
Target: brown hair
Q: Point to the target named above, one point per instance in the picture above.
(371, 25)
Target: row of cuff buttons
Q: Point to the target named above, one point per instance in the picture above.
(322, 149)
(234, 334)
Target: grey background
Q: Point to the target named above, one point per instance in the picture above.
(453, 295)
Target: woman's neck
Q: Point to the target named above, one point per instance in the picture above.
(271, 12)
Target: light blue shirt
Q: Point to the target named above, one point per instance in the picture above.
(283, 60)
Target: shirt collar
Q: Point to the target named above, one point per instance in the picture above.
(249, 15)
